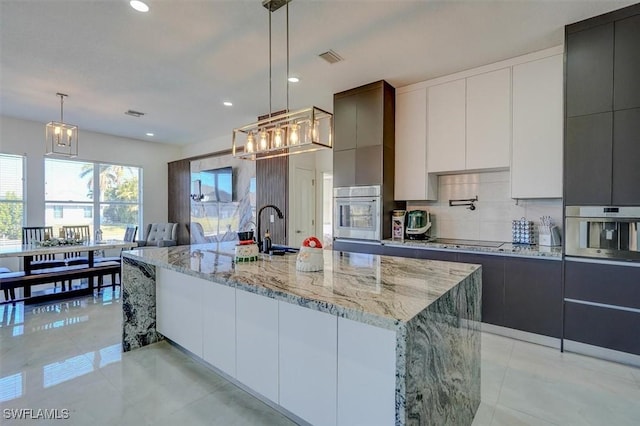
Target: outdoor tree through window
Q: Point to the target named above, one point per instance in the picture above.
(11, 198)
(109, 192)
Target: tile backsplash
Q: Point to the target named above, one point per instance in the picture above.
(495, 209)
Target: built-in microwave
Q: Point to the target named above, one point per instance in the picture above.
(604, 231)
(356, 212)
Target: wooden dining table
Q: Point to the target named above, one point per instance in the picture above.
(28, 251)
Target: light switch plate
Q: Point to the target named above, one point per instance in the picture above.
(272, 218)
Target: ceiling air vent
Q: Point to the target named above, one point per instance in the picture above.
(133, 113)
(331, 56)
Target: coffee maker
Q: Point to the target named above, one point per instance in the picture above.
(418, 225)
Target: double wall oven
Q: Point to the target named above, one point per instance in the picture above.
(356, 212)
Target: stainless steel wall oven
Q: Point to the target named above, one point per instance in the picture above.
(356, 211)
(602, 231)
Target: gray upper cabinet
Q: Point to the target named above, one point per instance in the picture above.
(626, 157)
(369, 118)
(344, 110)
(364, 125)
(602, 140)
(588, 163)
(627, 64)
(590, 71)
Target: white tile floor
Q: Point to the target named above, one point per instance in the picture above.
(67, 355)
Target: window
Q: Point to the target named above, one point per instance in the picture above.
(11, 198)
(105, 196)
(57, 212)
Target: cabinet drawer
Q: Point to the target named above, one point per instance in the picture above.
(608, 284)
(610, 328)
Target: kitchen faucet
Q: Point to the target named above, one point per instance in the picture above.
(259, 220)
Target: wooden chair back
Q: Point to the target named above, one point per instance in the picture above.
(81, 232)
(77, 231)
(33, 234)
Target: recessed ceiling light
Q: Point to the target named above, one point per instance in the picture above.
(293, 79)
(139, 5)
(149, 134)
(227, 103)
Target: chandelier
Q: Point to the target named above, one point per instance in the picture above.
(285, 132)
(61, 138)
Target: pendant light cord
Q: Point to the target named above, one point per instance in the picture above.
(61, 109)
(287, 76)
(269, 11)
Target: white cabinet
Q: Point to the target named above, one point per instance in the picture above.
(469, 123)
(308, 363)
(257, 343)
(179, 308)
(219, 327)
(446, 128)
(366, 374)
(411, 179)
(488, 120)
(536, 163)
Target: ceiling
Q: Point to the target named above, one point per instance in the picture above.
(181, 60)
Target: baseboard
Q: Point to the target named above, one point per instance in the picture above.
(602, 353)
(525, 336)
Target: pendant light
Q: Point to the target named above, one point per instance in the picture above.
(61, 138)
(283, 133)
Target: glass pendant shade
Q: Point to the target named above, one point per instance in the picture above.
(306, 130)
(61, 138)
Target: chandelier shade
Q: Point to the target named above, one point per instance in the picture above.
(305, 130)
(280, 134)
(61, 138)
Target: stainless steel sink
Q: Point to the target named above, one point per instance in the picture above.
(475, 243)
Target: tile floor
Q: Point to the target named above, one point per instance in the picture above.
(67, 355)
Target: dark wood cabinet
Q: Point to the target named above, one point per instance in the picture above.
(533, 296)
(602, 305)
(614, 285)
(344, 118)
(364, 122)
(369, 117)
(625, 188)
(627, 64)
(589, 62)
(615, 329)
(602, 97)
(588, 159)
(344, 168)
(492, 286)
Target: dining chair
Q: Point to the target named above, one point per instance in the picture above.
(36, 234)
(129, 236)
(78, 232)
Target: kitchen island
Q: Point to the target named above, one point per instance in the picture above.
(369, 340)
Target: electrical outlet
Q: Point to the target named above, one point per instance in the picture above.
(272, 218)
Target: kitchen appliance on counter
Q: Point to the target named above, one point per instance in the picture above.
(419, 223)
(356, 212)
(602, 231)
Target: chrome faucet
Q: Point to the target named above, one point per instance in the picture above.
(259, 220)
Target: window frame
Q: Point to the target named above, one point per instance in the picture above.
(23, 199)
(96, 203)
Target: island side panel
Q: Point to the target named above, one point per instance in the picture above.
(442, 358)
(138, 304)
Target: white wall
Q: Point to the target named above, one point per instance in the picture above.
(495, 209)
(27, 137)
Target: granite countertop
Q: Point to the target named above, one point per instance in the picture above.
(382, 290)
(504, 249)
